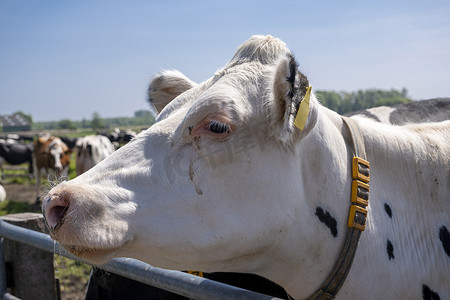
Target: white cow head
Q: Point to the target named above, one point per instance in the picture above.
(218, 183)
(57, 149)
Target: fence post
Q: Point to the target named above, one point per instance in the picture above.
(32, 272)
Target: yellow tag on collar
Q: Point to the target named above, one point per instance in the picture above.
(303, 110)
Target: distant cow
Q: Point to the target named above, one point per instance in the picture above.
(18, 138)
(26, 138)
(70, 142)
(119, 137)
(91, 150)
(16, 154)
(127, 135)
(8, 141)
(52, 155)
(433, 110)
(2, 194)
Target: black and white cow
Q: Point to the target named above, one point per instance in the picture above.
(247, 172)
(432, 110)
(16, 154)
(69, 141)
(91, 150)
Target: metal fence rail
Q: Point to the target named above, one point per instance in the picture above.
(174, 281)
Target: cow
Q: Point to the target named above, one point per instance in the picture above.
(91, 150)
(247, 172)
(2, 194)
(432, 110)
(121, 137)
(69, 141)
(24, 138)
(127, 135)
(51, 155)
(16, 154)
(9, 141)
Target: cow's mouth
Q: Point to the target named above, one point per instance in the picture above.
(94, 255)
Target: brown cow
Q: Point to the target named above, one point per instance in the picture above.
(52, 155)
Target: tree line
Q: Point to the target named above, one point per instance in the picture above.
(140, 118)
(341, 102)
(344, 102)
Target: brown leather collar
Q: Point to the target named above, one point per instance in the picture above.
(357, 215)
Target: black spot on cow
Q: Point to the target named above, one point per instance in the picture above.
(444, 236)
(388, 210)
(429, 294)
(390, 250)
(328, 220)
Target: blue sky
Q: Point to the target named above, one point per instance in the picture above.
(69, 59)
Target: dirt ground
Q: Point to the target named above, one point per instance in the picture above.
(20, 192)
(72, 288)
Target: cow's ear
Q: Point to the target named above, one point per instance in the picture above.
(167, 85)
(289, 88)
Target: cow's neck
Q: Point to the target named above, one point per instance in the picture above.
(323, 160)
(405, 161)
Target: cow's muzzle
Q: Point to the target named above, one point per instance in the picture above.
(55, 208)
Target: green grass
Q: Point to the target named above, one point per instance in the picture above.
(80, 133)
(19, 180)
(16, 179)
(72, 274)
(73, 166)
(66, 267)
(11, 207)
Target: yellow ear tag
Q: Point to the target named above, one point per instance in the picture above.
(303, 110)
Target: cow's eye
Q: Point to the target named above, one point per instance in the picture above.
(219, 127)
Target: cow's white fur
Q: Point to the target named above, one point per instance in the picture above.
(382, 112)
(57, 148)
(166, 86)
(179, 196)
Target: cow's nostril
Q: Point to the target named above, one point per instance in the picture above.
(56, 216)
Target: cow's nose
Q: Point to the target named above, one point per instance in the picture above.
(55, 207)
